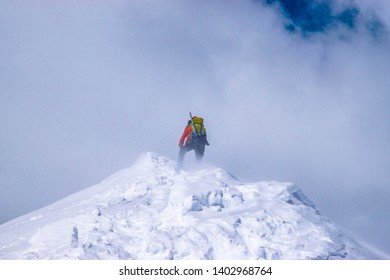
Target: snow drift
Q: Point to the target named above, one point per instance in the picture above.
(153, 211)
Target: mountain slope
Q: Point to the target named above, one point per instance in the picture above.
(150, 211)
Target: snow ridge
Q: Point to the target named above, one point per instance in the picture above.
(153, 211)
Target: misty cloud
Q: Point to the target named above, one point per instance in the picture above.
(85, 87)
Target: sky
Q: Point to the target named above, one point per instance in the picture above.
(293, 91)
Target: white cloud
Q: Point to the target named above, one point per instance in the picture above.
(85, 87)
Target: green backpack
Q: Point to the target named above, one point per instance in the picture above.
(197, 127)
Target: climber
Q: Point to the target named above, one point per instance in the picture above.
(194, 138)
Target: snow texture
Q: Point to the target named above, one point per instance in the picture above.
(154, 211)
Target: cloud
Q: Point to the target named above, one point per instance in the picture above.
(86, 87)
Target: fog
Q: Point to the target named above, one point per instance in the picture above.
(86, 86)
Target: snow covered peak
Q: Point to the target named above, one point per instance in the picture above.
(154, 211)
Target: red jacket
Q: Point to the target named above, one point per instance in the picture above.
(186, 135)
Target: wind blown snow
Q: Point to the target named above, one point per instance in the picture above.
(154, 211)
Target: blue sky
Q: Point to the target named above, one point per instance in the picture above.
(309, 17)
(290, 90)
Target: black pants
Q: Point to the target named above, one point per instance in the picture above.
(198, 147)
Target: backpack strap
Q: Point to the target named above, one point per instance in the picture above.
(201, 129)
(198, 133)
(196, 130)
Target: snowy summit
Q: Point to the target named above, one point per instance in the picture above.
(151, 211)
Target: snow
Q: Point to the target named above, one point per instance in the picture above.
(154, 211)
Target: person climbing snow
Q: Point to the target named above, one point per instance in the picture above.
(194, 138)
